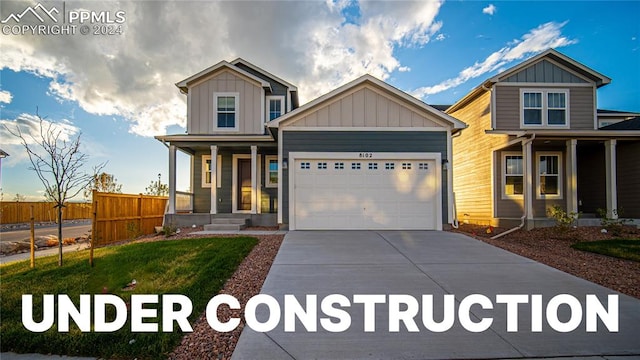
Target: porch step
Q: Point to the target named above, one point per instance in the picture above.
(227, 223)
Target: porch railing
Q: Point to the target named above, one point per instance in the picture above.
(184, 202)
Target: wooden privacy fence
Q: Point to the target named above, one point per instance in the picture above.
(13, 212)
(124, 216)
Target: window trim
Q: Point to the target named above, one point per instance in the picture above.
(506, 196)
(267, 170)
(560, 194)
(236, 95)
(203, 176)
(545, 108)
(268, 105)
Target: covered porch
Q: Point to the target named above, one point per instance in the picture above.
(590, 175)
(233, 180)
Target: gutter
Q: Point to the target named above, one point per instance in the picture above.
(524, 215)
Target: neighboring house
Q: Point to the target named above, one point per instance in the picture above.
(534, 140)
(363, 156)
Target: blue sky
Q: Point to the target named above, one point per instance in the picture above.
(118, 89)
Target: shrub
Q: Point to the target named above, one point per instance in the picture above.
(614, 226)
(563, 220)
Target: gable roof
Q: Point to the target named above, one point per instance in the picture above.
(268, 74)
(631, 124)
(366, 79)
(551, 54)
(184, 84)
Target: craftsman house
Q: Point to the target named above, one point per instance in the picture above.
(363, 156)
(536, 139)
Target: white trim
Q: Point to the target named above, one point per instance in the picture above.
(254, 179)
(492, 106)
(234, 182)
(611, 178)
(545, 108)
(267, 177)
(450, 214)
(203, 178)
(437, 157)
(527, 158)
(215, 159)
(596, 119)
(503, 175)
(289, 99)
(360, 128)
(235, 95)
(189, 121)
(207, 73)
(267, 107)
(259, 185)
(572, 176)
(216, 138)
(560, 194)
(545, 84)
(494, 193)
(172, 180)
(280, 150)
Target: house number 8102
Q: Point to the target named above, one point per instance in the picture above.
(366, 155)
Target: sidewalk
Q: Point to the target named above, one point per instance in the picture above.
(5, 259)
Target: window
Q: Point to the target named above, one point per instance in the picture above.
(305, 165)
(338, 166)
(373, 166)
(322, 165)
(355, 166)
(423, 166)
(206, 171)
(275, 107)
(513, 175)
(544, 108)
(406, 166)
(389, 166)
(271, 171)
(549, 182)
(226, 115)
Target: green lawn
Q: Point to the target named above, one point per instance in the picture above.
(196, 268)
(620, 248)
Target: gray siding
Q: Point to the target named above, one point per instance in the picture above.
(591, 178)
(362, 141)
(507, 108)
(544, 72)
(201, 111)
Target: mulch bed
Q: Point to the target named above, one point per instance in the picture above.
(552, 247)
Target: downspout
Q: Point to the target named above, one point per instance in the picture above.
(524, 215)
(455, 223)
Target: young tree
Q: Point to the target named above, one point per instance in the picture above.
(19, 198)
(157, 188)
(103, 182)
(57, 160)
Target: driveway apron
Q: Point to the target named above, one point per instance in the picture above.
(427, 262)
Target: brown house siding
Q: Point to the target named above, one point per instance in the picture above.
(581, 105)
(628, 161)
(472, 159)
(591, 178)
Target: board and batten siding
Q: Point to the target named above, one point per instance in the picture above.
(507, 112)
(201, 113)
(362, 141)
(628, 162)
(545, 72)
(472, 159)
(365, 107)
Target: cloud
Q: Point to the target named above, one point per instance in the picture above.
(5, 97)
(311, 44)
(536, 40)
(490, 10)
(440, 37)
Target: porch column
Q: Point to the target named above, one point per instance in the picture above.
(528, 180)
(611, 178)
(214, 180)
(172, 180)
(572, 176)
(254, 178)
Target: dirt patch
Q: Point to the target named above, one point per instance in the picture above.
(552, 247)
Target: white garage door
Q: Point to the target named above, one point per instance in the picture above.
(365, 194)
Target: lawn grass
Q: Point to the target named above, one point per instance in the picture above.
(196, 268)
(620, 248)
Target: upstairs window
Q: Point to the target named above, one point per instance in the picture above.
(271, 172)
(226, 117)
(275, 107)
(541, 108)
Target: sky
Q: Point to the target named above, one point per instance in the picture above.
(116, 89)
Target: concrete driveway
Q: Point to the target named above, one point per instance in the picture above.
(427, 262)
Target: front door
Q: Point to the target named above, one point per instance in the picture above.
(244, 184)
